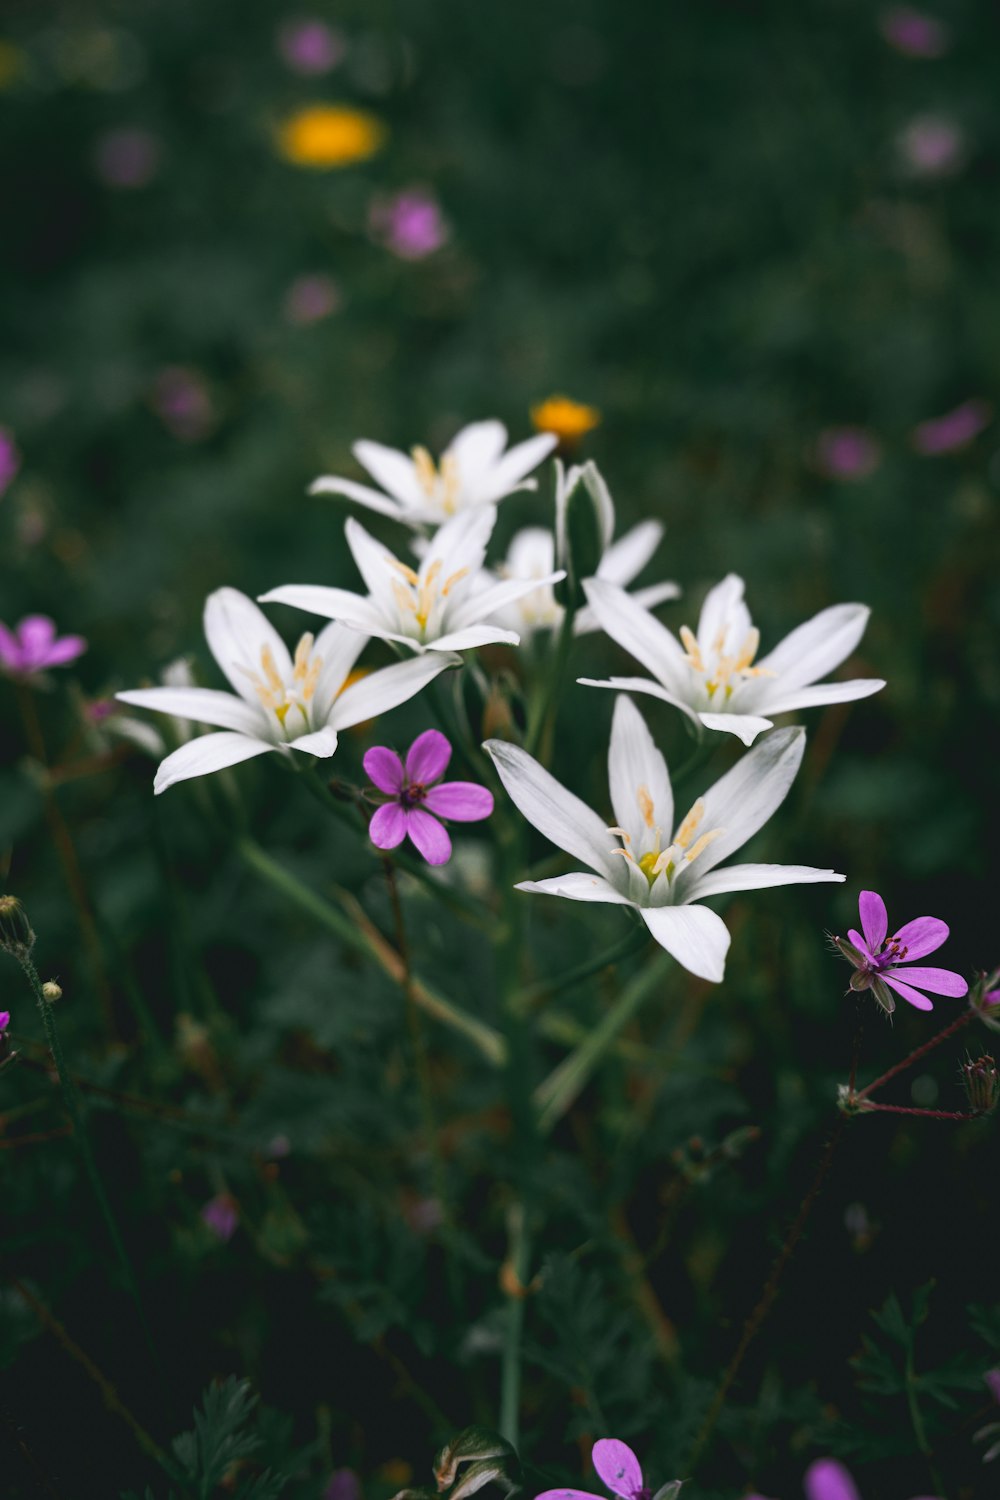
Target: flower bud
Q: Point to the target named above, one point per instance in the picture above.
(491, 1460)
(51, 990)
(585, 523)
(984, 998)
(16, 936)
(982, 1084)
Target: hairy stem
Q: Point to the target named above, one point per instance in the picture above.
(917, 1054)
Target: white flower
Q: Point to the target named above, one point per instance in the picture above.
(284, 703)
(439, 607)
(473, 471)
(713, 676)
(644, 861)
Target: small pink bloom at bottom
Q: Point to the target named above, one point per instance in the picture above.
(847, 453)
(416, 801)
(33, 646)
(4, 1021)
(222, 1215)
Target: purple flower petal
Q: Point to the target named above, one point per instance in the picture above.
(859, 942)
(5, 1022)
(36, 634)
(428, 757)
(387, 828)
(874, 919)
(385, 768)
(938, 981)
(568, 1495)
(430, 838)
(67, 648)
(828, 1480)
(463, 801)
(921, 936)
(618, 1467)
(908, 993)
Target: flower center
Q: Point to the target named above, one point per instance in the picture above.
(417, 594)
(718, 668)
(687, 843)
(413, 794)
(440, 485)
(279, 697)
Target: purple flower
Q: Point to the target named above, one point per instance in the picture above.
(4, 1021)
(826, 1479)
(10, 459)
(127, 158)
(877, 957)
(34, 646)
(914, 33)
(222, 1215)
(847, 453)
(310, 298)
(410, 224)
(956, 429)
(619, 1470)
(415, 802)
(309, 46)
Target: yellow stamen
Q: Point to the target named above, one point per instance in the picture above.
(686, 831)
(404, 599)
(701, 844)
(645, 802)
(401, 567)
(693, 650)
(270, 670)
(452, 580)
(426, 593)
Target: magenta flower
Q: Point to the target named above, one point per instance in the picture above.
(847, 453)
(34, 646)
(827, 1479)
(411, 224)
(4, 1021)
(309, 46)
(619, 1470)
(10, 459)
(877, 958)
(415, 803)
(956, 429)
(222, 1215)
(914, 33)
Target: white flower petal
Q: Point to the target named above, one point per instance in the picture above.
(824, 692)
(697, 937)
(379, 691)
(329, 484)
(461, 542)
(475, 449)
(742, 801)
(211, 752)
(202, 705)
(374, 563)
(643, 685)
(508, 471)
(337, 647)
(321, 743)
(336, 604)
(488, 601)
(746, 727)
(238, 633)
(637, 774)
(578, 885)
(626, 558)
(815, 648)
(472, 636)
(723, 617)
(754, 878)
(394, 471)
(564, 820)
(641, 634)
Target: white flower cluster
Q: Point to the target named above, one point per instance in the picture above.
(446, 600)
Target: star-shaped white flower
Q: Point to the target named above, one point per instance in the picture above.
(473, 470)
(281, 703)
(644, 860)
(714, 677)
(442, 605)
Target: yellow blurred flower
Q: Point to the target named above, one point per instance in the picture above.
(569, 420)
(330, 135)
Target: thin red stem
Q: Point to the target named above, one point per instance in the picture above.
(915, 1056)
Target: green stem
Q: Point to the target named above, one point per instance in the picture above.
(631, 943)
(556, 1094)
(540, 730)
(489, 1042)
(71, 1099)
(510, 1372)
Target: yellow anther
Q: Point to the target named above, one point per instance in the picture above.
(271, 672)
(621, 834)
(401, 567)
(311, 678)
(450, 480)
(427, 592)
(692, 648)
(701, 844)
(748, 650)
(303, 651)
(427, 474)
(404, 599)
(646, 807)
(454, 578)
(686, 831)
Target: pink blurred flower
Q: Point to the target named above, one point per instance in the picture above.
(410, 224)
(33, 647)
(4, 1021)
(847, 453)
(310, 46)
(127, 158)
(310, 298)
(956, 429)
(181, 400)
(914, 33)
(931, 146)
(222, 1215)
(415, 802)
(343, 1484)
(10, 459)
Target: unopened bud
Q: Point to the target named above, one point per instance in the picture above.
(982, 1084)
(984, 998)
(491, 1460)
(585, 523)
(51, 990)
(16, 936)
(669, 1491)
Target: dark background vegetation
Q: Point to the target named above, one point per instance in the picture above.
(696, 217)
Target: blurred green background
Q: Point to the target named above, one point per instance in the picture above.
(762, 239)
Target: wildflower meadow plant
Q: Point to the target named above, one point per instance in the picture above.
(418, 799)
